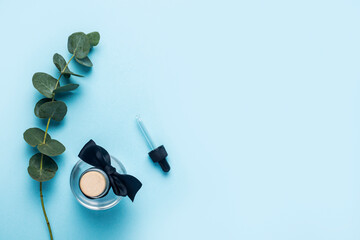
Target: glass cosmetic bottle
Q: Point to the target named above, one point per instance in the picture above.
(91, 186)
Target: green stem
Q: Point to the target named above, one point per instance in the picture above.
(42, 155)
(53, 98)
(43, 207)
(62, 72)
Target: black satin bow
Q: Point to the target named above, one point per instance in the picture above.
(122, 184)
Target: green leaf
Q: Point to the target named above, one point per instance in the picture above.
(85, 62)
(51, 148)
(44, 83)
(55, 110)
(60, 64)
(79, 44)
(38, 104)
(94, 38)
(42, 168)
(66, 88)
(35, 136)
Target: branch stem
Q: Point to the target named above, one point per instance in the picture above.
(43, 208)
(42, 155)
(53, 98)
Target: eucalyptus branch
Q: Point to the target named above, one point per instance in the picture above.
(41, 166)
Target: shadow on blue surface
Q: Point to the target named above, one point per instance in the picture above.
(107, 219)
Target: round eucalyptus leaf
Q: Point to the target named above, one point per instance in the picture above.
(94, 38)
(38, 104)
(66, 88)
(85, 62)
(44, 83)
(60, 64)
(35, 136)
(42, 168)
(79, 44)
(55, 110)
(51, 148)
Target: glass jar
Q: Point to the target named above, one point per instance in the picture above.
(105, 200)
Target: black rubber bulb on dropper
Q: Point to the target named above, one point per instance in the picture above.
(159, 155)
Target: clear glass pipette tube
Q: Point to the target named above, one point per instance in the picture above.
(145, 132)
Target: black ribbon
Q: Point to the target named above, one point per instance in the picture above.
(122, 184)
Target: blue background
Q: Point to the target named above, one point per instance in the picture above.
(256, 101)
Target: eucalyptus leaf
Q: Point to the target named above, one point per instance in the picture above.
(79, 44)
(42, 168)
(51, 148)
(85, 62)
(55, 110)
(66, 88)
(44, 83)
(60, 64)
(39, 103)
(35, 136)
(94, 38)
